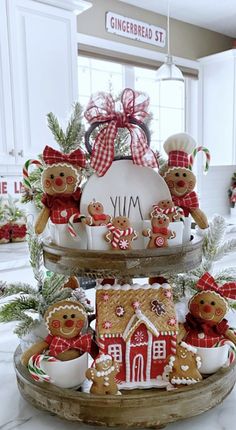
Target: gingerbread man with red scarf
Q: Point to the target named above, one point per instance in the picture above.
(179, 177)
(61, 177)
(205, 324)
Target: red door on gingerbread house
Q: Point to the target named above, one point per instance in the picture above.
(138, 353)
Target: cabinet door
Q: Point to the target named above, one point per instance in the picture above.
(44, 71)
(218, 108)
(7, 155)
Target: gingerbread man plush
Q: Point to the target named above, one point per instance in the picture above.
(159, 234)
(96, 215)
(183, 367)
(121, 234)
(168, 208)
(180, 179)
(205, 324)
(60, 179)
(64, 320)
(103, 375)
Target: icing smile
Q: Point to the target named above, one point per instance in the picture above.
(67, 332)
(59, 191)
(182, 192)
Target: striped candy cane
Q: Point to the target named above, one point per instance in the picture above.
(26, 181)
(35, 369)
(193, 155)
(232, 350)
(75, 217)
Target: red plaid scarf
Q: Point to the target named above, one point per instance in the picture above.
(187, 202)
(52, 156)
(208, 283)
(117, 234)
(197, 325)
(58, 344)
(101, 108)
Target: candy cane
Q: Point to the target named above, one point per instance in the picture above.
(28, 163)
(193, 155)
(75, 217)
(232, 350)
(34, 367)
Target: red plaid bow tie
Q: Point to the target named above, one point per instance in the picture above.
(59, 344)
(101, 108)
(208, 283)
(161, 230)
(189, 201)
(52, 156)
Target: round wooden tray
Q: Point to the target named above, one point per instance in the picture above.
(136, 408)
(117, 264)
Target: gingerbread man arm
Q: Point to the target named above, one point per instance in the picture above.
(181, 332)
(199, 217)
(91, 374)
(108, 236)
(230, 335)
(37, 348)
(146, 233)
(134, 235)
(171, 234)
(42, 220)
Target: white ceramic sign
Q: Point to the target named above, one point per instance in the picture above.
(126, 190)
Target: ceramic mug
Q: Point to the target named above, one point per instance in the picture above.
(66, 374)
(60, 235)
(213, 358)
(96, 237)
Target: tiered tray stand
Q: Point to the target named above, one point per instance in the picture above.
(151, 408)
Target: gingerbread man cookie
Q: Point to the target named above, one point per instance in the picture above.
(96, 215)
(159, 234)
(168, 208)
(184, 366)
(121, 234)
(64, 321)
(103, 375)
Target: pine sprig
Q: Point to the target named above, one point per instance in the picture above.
(26, 325)
(12, 289)
(55, 128)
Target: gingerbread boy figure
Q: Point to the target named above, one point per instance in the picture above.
(180, 178)
(159, 233)
(96, 214)
(120, 234)
(103, 375)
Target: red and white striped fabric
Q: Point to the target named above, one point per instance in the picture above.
(101, 108)
(117, 234)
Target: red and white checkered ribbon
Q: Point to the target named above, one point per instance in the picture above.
(101, 108)
(208, 283)
(117, 234)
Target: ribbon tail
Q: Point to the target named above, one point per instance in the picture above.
(103, 150)
(141, 153)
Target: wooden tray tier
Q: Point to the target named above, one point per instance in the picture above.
(136, 408)
(123, 264)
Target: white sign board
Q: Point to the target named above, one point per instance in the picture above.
(134, 29)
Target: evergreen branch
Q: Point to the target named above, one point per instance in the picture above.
(229, 246)
(55, 128)
(11, 289)
(74, 130)
(26, 325)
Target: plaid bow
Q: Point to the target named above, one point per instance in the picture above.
(52, 156)
(59, 344)
(187, 202)
(208, 283)
(101, 108)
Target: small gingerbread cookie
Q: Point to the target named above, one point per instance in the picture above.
(121, 234)
(167, 207)
(96, 215)
(103, 375)
(159, 234)
(184, 366)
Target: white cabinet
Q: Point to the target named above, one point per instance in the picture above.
(38, 50)
(218, 106)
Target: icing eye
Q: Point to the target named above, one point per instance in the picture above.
(213, 303)
(177, 174)
(168, 202)
(73, 316)
(184, 175)
(62, 174)
(52, 176)
(65, 317)
(202, 302)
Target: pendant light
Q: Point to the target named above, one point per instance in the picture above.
(169, 71)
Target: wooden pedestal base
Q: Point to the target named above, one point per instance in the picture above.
(136, 408)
